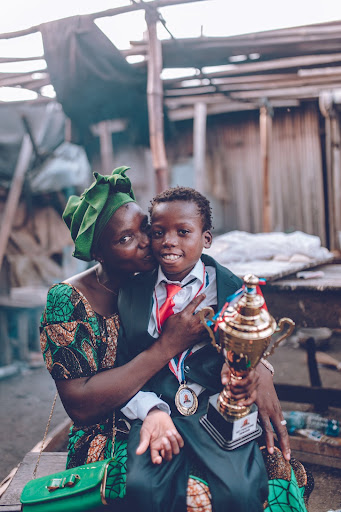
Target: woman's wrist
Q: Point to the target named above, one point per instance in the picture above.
(268, 365)
(160, 351)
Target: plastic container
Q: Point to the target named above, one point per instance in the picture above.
(309, 420)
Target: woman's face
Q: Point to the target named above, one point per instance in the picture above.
(124, 245)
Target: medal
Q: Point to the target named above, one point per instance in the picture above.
(186, 400)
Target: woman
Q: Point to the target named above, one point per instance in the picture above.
(80, 326)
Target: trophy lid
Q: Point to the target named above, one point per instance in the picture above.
(247, 319)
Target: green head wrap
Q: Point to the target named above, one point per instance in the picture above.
(87, 215)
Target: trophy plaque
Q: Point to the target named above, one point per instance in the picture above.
(245, 332)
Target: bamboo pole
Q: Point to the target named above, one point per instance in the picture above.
(265, 123)
(102, 14)
(106, 149)
(155, 103)
(199, 145)
(14, 193)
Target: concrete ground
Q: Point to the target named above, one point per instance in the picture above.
(26, 400)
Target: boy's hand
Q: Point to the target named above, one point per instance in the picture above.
(160, 435)
(244, 390)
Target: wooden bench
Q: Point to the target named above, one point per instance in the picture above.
(50, 462)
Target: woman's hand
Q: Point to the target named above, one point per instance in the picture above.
(160, 435)
(270, 411)
(244, 390)
(269, 408)
(183, 330)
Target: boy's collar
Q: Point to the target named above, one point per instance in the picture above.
(196, 272)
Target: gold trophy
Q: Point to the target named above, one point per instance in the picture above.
(245, 331)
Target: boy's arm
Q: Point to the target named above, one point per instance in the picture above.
(144, 401)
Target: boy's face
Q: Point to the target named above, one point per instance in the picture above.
(177, 237)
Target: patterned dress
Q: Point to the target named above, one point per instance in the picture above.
(77, 342)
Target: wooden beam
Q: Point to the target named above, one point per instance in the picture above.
(265, 124)
(199, 145)
(4, 60)
(180, 114)
(271, 83)
(14, 193)
(109, 12)
(155, 104)
(287, 63)
(295, 92)
(22, 80)
(39, 100)
(106, 149)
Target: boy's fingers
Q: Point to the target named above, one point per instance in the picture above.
(167, 449)
(155, 456)
(174, 441)
(144, 442)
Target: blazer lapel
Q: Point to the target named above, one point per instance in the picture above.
(135, 303)
(227, 282)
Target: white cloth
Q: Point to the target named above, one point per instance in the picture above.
(141, 403)
(139, 406)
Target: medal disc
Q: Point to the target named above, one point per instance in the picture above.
(186, 400)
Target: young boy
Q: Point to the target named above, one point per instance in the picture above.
(180, 230)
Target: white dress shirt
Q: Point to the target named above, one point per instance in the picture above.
(201, 279)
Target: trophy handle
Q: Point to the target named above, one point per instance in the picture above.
(202, 313)
(281, 324)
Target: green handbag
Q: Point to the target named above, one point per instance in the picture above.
(79, 489)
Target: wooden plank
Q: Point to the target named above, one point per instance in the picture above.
(285, 63)
(14, 193)
(57, 438)
(314, 452)
(155, 104)
(49, 463)
(179, 114)
(329, 397)
(265, 123)
(109, 12)
(199, 145)
(106, 149)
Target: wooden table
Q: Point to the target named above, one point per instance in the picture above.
(309, 302)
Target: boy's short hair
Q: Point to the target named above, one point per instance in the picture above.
(186, 194)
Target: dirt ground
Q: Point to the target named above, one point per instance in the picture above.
(26, 400)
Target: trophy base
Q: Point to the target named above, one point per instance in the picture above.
(228, 433)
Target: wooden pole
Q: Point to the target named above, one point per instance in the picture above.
(265, 123)
(199, 145)
(107, 153)
(102, 14)
(155, 103)
(14, 193)
(327, 108)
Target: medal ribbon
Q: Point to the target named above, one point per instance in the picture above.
(176, 365)
(232, 299)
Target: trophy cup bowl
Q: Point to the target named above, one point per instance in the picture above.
(245, 337)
